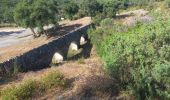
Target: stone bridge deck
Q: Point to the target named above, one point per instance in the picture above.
(41, 56)
(22, 42)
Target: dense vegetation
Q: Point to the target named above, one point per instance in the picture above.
(74, 8)
(137, 57)
(32, 14)
(38, 13)
(6, 10)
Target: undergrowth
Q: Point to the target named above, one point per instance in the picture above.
(32, 88)
(138, 57)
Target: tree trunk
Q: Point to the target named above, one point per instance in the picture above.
(34, 34)
(44, 31)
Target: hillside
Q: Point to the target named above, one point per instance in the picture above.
(85, 79)
(125, 53)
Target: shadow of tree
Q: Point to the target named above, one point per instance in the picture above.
(9, 33)
(58, 31)
(124, 16)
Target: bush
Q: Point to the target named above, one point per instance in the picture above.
(168, 3)
(139, 58)
(30, 88)
(53, 79)
(106, 23)
(21, 92)
(70, 10)
(97, 19)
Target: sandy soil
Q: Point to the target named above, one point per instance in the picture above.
(21, 47)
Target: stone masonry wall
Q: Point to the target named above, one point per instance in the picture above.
(41, 57)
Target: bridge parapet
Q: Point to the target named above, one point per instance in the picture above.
(41, 57)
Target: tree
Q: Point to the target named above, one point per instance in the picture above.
(110, 8)
(6, 10)
(32, 14)
(70, 9)
(91, 7)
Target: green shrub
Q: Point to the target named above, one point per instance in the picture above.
(138, 57)
(30, 88)
(168, 3)
(96, 36)
(21, 92)
(53, 79)
(106, 23)
(97, 19)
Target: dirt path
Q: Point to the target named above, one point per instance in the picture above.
(24, 46)
(130, 18)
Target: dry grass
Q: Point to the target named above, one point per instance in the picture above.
(85, 80)
(32, 88)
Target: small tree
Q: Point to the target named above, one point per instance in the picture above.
(70, 9)
(32, 14)
(110, 8)
(91, 7)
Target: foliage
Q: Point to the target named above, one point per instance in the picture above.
(73, 8)
(70, 10)
(31, 14)
(97, 19)
(53, 79)
(106, 23)
(29, 88)
(23, 91)
(6, 10)
(168, 3)
(91, 7)
(110, 8)
(138, 57)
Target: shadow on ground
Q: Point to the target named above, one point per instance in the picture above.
(9, 33)
(58, 31)
(124, 16)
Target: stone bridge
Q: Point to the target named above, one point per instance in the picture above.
(41, 57)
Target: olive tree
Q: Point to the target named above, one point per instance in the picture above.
(70, 9)
(35, 13)
(91, 7)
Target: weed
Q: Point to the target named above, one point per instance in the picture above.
(20, 92)
(81, 60)
(29, 88)
(52, 79)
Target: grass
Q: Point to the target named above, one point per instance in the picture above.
(28, 89)
(81, 60)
